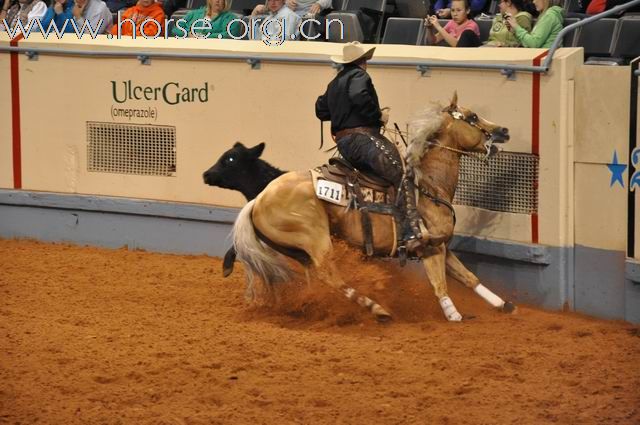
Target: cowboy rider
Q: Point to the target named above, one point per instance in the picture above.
(351, 104)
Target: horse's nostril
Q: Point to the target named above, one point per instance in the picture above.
(505, 131)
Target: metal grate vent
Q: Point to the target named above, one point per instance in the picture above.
(507, 182)
(148, 150)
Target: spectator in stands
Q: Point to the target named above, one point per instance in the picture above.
(500, 34)
(593, 7)
(94, 12)
(61, 11)
(443, 8)
(276, 10)
(308, 7)
(170, 6)
(547, 27)
(143, 10)
(116, 5)
(21, 11)
(217, 13)
(459, 31)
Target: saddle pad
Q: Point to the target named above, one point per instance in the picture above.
(335, 191)
(329, 191)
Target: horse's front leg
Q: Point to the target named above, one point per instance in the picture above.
(457, 270)
(434, 264)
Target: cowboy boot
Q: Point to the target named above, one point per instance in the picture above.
(412, 235)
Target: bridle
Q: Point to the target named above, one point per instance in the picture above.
(472, 120)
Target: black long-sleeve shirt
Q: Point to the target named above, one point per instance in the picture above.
(350, 101)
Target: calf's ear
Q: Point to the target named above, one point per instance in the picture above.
(239, 145)
(256, 151)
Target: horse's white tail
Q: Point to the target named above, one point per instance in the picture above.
(258, 258)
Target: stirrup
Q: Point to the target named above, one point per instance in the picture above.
(402, 255)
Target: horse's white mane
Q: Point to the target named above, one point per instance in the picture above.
(423, 125)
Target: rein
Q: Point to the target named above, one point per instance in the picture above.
(437, 201)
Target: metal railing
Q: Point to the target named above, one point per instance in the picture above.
(423, 67)
(547, 61)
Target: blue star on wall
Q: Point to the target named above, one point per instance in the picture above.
(617, 170)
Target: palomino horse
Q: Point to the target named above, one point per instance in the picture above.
(288, 218)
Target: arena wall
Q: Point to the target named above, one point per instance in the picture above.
(542, 257)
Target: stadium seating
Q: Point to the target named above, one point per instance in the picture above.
(352, 29)
(626, 43)
(404, 31)
(597, 38)
(570, 38)
(484, 23)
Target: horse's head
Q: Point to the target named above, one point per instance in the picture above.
(230, 168)
(471, 132)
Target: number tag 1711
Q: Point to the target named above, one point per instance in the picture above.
(330, 191)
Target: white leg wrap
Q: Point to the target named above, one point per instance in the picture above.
(450, 311)
(489, 296)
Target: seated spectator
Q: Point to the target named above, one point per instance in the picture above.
(94, 13)
(443, 8)
(500, 34)
(170, 6)
(276, 10)
(61, 11)
(593, 7)
(546, 29)
(304, 8)
(117, 5)
(459, 31)
(143, 10)
(216, 13)
(22, 11)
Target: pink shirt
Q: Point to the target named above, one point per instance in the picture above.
(456, 30)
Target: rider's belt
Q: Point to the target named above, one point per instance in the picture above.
(359, 130)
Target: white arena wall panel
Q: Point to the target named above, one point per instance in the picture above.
(75, 142)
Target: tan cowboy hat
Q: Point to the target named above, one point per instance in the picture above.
(353, 51)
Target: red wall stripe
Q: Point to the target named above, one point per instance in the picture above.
(535, 133)
(15, 116)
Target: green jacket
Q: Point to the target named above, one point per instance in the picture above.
(545, 31)
(500, 36)
(218, 25)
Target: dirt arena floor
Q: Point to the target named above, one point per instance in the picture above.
(98, 336)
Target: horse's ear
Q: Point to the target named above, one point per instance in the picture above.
(238, 145)
(454, 100)
(256, 151)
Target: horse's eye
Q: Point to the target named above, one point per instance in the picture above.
(473, 118)
(229, 160)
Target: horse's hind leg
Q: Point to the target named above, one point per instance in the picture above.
(434, 264)
(326, 270)
(458, 271)
(328, 273)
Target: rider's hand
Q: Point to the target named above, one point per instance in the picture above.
(384, 115)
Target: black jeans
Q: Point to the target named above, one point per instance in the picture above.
(373, 154)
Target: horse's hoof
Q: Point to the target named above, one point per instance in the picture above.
(381, 315)
(455, 317)
(509, 307)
